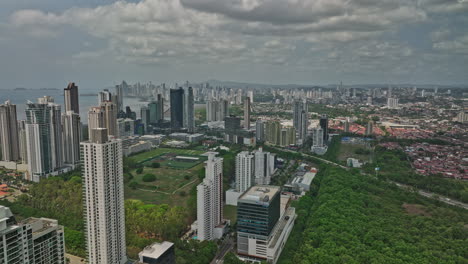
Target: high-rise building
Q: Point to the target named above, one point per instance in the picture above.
(318, 137)
(103, 194)
(44, 138)
(250, 95)
(153, 110)
(34, 240)
(217, 110)
(15, 247)
(324, 126)
(103, 116)
(104, 96)
(23, 144)
(110, 120)
(245, 171)
(231, 123)
(273, 132)
(392, 103)
(126, 127)
(9, 141)
(287, 136)
(462, 117)
(96, 119)
(71, 96)
(210, 199)
(71, 137)
(190, 111)
(145, 117)
(300, 118)
(247, 113)
(48, 240)
(263, 224)
(177, 108)
(264, 166)
(160, 109)
(369, 128)
(260, 130)
(303, 132)
(346, 126)
(119, 95)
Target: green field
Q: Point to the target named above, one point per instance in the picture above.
(174, 179)
(142, 157)
(348, 150)
(168, 188)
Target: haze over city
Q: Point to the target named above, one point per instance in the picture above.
(97, 43)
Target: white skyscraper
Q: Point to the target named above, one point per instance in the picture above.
(245, 171)
(71, 137)
(104, 198)
(318, 137)
(264, 166)
(210, 199)
(392, 103)
(250, 94)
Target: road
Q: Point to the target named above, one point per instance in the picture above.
(314, 157)
(228, 244)
(433, 195)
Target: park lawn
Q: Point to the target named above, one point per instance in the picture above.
(170, 183)
(159, 151)
(348, 151)
(230, 212)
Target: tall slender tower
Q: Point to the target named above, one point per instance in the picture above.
(70, 95)
(245, 169)
(104, 198)
(71, 137)
(177, 108)
(119, 101)
(9, 132)
(190, 111)
(210, 198)
(247, 113)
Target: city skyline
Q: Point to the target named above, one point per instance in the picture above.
(315, 42)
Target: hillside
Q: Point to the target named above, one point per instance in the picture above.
(354, 218)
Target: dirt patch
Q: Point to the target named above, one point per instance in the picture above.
(415, 209)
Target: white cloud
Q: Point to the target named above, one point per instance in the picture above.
(344, 34)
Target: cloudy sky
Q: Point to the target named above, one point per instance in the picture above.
(46, 43)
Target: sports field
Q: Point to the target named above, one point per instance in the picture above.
(174, 179)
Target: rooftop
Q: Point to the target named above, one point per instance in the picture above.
(260, 193)
(155, 250)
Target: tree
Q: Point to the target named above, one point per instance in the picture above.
(231, 258)
(139, 170)
(155, 165)
(149, 178)
(133, 185)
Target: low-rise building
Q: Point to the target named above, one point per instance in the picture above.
(158, 253)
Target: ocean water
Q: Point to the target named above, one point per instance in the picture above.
(21, 97)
